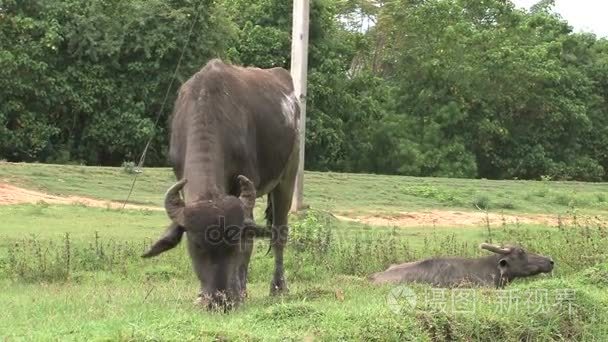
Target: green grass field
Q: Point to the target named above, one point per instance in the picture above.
(334, 191)
(69, 272)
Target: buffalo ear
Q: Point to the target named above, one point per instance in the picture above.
(170, 239)
(503, 265)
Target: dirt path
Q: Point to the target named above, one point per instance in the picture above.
(448, 218)
(10, 194)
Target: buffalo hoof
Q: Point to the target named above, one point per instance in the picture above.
(221, 305)
(278, 287)
(201, 301)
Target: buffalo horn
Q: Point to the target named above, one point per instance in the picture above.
(174, 205)
(494, 248)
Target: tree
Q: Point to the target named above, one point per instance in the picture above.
(457, 88)
(487, 90)
(85, 79)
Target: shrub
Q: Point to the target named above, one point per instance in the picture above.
(481, 202)
(129, 167)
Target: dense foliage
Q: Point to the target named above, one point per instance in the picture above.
(459, 88)
(83, 80)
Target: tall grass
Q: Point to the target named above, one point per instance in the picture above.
(327, 263)
(318, 247)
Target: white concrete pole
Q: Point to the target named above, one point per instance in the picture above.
(299, 73)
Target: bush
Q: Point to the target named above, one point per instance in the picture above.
(130, 168)
(481, 202)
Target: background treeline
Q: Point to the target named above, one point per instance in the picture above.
(458, 88)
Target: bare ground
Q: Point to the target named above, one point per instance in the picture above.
(449, 218)
(10, 194)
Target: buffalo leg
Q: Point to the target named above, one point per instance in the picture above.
(268, 212)
(247, 248)
(281, 198)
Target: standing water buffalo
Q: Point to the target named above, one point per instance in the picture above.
(234, 137)
(506, 264)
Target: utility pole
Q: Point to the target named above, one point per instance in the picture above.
(299, 73)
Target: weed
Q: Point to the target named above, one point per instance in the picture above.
(286, 311)
(542, 192)
(509, 205)
(597, 275)
(481, 202)
(545, 178)
(562, 199)
(129, 167)
(42, 204)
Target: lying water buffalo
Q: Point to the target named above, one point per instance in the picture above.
(234, 137)
(499, 269)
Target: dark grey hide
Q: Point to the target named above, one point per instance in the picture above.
(498, 269)
(234, 137)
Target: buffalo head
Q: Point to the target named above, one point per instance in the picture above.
(220, 234)
(514, 262)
